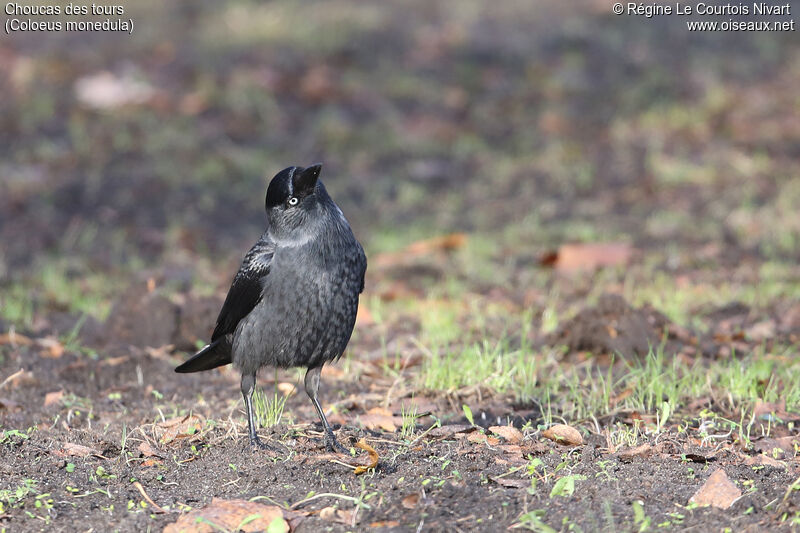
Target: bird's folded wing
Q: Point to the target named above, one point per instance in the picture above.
(245, 291)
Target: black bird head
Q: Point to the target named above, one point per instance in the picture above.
(295, 199)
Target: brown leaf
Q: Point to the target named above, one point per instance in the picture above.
(717, 491)
(15, 339)
(782, 447)
(178, 428)
(761, 331)
(450, 430)
(375, 421)
(589, 256)
(444, 243)
(563, 434)
(230, 515)
(148, 451)
(449, 242)
(373, 456)
(115, 361)
(380, 411)
(51, 348)
(643, 450)
(341, 516)
(614, 400)
(53, 397)
(479, 437)
(765, 460)
(410, 501)
(385, 523)
(287, 389)
(771, 410)
(79, 450)
(509, 433)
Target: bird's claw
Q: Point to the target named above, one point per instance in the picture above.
(256, 444)
(333, 445)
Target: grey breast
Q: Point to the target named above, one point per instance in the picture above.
(306, 314)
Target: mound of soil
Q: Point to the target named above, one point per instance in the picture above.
(145, 317)
(613, 326)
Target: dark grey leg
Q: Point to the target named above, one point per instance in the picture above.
(248, 386)
(312, 387)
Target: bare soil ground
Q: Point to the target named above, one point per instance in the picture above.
(570, 218)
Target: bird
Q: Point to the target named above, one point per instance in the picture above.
(294, 300)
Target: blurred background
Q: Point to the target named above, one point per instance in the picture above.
(569, 215)
(500, 130)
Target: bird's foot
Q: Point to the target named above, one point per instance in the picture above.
(333, 445)
(256, 444)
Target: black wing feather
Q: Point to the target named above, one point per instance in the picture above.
(245, 291)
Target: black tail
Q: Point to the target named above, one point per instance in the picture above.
(216, 354)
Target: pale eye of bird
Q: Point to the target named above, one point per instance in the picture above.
(292, 201)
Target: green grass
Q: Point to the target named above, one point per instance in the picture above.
(269, 410)
(56, 285)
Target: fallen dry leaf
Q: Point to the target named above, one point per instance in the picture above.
(444, 243)
(373, 456)
(376, 421)
(178, 428)
(563, 434)
(764, 460)
(148, 451)
(449, 430)
(410, 501)
(380, 411)
(115, 361)
(286, 388)
(78, 450)
(341, 516)
(780, 448)
(761, 330)
(769, 411)
(718, 491)
(231, 515)
(509, 433)
(643, 450)
(51, 348)
(386, 523)
(589, 256)
(479, 437)
(53, 397)
(15, 339)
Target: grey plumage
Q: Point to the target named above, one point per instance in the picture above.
(294, 300)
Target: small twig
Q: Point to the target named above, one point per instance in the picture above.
(12, 377)
(157, 508)
(434, 425)
(791, 487)
(356, 501)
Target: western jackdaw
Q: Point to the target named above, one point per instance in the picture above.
(294, 300)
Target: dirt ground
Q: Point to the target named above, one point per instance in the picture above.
(122, 443)
(608, 208)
